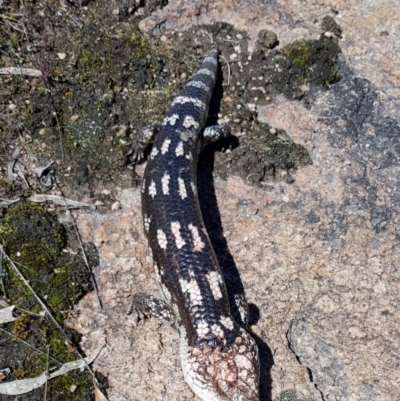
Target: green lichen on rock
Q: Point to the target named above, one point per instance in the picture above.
(313, 60)
(286, 71)
(291, 395)
(298, 53)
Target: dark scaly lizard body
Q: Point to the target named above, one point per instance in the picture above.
(219, 358)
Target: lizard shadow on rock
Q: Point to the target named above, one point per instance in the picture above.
(212, 221)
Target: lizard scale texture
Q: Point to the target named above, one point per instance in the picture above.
(219, 358)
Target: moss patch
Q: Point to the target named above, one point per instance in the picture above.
(31, 236)
(34, 239)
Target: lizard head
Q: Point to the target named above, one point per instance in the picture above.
(223, 373)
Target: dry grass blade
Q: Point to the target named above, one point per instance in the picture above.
(2, 275)
(60, 200)
(78, 236)
(6, 315)
(7, 202)
(229, 69)
(23, 386)
(31, 72)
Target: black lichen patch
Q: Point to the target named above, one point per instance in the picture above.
(330, 25)
(261, 156)
(267, 40)
(285, 71)
(313, 61)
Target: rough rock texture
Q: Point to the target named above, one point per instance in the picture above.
(318, 257)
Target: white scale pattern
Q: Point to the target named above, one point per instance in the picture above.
(192, 288)
(198, 244)
(214, 280)
(202, 328)
(206, 71)
(189, 122)
(211, 134)
(158, 277)
(171, 119)
(241, 304)
(176, 231)
(217, 330)
(202, 386)
(165, 146)
(165, 183)
(211, 60)
(149, 254)
(187, 99)
(152, 189)
(154, 153)
(162, 239)
(227, 322)
(198, 84)
(182, 188)
(179, 149)
(146, 222)
(194, 188)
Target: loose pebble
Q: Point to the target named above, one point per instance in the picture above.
(116, 206)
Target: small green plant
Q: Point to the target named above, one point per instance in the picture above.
(299, 53)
